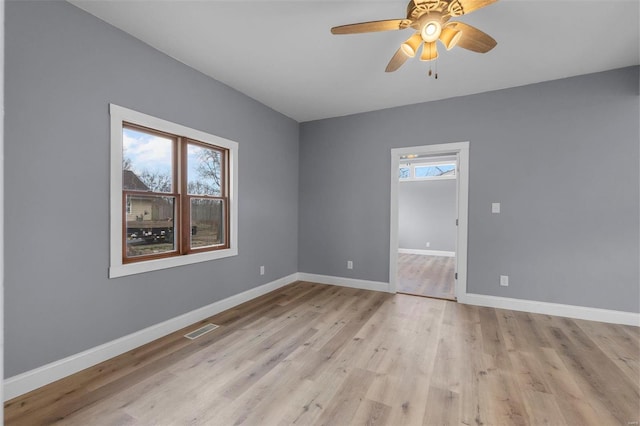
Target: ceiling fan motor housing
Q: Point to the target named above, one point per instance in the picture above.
(417, 8)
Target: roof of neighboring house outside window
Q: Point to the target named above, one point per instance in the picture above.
(132, 182)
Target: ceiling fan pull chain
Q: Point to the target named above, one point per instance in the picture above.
(430, 62)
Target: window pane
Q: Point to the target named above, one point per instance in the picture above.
(149, 225)
(432, 171)
(204, 171)
(404, 172)
(146, 161)
(207, 222)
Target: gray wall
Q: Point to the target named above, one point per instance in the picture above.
(427, 212)
(561, 157)
(63, 68)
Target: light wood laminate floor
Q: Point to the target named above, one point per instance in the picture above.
(311, 354)
(430, 276)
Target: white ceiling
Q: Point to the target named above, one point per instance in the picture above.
(283, 54)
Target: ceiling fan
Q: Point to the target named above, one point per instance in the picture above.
(430, 19)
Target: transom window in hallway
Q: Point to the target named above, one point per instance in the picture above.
(425, 171)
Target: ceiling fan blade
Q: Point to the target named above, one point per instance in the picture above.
(372, 26)
(429, 51)
(468, 6)
(396, 61)
(472, 38)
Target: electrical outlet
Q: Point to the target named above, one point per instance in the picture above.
(349, 264)
(262, 270)
(428, 244)
(504, 280)
(495, 207)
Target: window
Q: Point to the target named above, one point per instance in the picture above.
(172, 194)
(434, 170)
(427, 171)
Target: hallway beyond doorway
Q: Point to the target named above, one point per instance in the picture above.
(430, 276)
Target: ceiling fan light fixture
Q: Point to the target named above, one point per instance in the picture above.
(431, 30)
(429, 51)
(410, 47)
(450, 37)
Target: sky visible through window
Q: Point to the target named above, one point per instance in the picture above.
(153, 153)
(439, 170)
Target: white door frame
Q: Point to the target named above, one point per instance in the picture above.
(2, 15)
(461, 149)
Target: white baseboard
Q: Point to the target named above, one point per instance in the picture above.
(33, 379)
(428, 252)
(344, 282)
(558, 309)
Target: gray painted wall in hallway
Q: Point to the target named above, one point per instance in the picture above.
(63, 68)
(562, 157)
(427, 212)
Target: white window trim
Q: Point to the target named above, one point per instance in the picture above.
(117, 268)
(412, 173)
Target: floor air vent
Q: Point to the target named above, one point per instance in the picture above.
(202, 330)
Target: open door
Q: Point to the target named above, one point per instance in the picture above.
(416, 266)
(427, 230)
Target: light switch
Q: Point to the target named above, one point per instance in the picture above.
(504, 280)
(495, 207)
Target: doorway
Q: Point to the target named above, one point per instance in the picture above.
(428, 226)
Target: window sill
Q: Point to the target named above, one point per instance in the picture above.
(116, 271)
